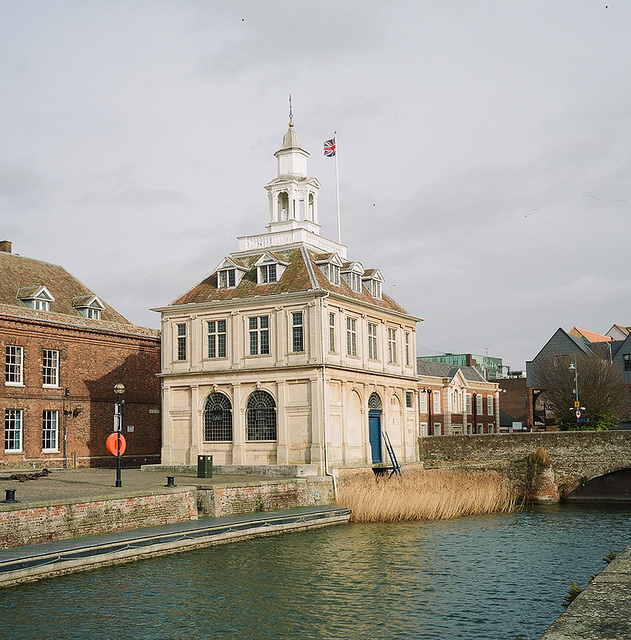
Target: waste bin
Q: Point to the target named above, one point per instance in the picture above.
(204, 466)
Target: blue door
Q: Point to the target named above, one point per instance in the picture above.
(374, 434)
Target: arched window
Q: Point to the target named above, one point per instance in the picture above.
(283, 206)
(374, 402)
(217, 418)
(261, 416)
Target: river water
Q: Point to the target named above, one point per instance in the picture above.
(487, 577)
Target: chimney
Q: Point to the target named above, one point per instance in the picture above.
(5, 246)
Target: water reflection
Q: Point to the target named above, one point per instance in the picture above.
(479, 577)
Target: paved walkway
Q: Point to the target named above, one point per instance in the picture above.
(72, 485)
(34, 562)
(602, 610)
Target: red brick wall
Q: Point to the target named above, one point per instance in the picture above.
(91, 363)
(34, 525)
(515, 400)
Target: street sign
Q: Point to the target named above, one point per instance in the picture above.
(583, 420)
(578, 413)
(577, 404)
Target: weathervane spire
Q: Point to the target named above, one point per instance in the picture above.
(291, 113)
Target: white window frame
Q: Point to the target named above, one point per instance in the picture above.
(50, 430)
(217, 338)
(259, 335)
(38, 304)
(181, 342)
(14, 416)
(351, 336)
(297, 331)
(227, 278)
(489, 405)
(392, 345)
(456, 408)
(479, 407)
(436, 401)
(407, 349)
(422, 402)
(332, 332)
(90, 312)
(50, 368)
(268, 273)
(14, 365)
(469, 405)
(372, 341)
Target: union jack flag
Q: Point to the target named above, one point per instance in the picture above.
(329, 148)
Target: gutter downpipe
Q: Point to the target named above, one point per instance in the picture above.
(327, 471)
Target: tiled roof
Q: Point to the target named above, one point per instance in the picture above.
(25, 274)
(590, 336)
(446, 370)
(299, 275)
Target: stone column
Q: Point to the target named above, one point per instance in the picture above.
(317, 404)
(282, 435)
(238, 426)
(195, 433)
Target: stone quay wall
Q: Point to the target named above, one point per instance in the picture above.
(34, 524)
(46, 522)
(576, 456)
(221, 501)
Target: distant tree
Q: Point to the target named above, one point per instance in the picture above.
(602, 391)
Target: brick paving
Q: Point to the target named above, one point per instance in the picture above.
(72, 485)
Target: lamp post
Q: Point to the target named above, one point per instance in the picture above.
(119, 390)
(574, 369)
(577, 405)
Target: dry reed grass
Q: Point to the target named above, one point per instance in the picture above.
(426, 495)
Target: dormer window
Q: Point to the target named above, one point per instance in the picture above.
(331, 267)
(226, 278)
(88, 306)
(372, 280)
(267, 273)
(269, 268)
(229, 274)
(38, 297)
(334, 274)
(353, 272)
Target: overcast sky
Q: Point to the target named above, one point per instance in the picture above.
(484, 150)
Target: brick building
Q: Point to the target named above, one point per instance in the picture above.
(456, 400)
(64, 349)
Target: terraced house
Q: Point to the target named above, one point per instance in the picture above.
(289, 352)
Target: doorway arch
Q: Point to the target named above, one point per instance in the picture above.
(374, 427)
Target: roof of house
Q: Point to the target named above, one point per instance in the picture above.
(25, 276)
(301, 274)
(625, 330)
(590, 336)
(446, 370)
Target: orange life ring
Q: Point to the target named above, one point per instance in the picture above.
(111, 444)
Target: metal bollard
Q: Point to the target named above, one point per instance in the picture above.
(170, 481)
(10, 493)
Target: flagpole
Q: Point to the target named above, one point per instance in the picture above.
(337, 191)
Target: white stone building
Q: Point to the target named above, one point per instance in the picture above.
(289, 353)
